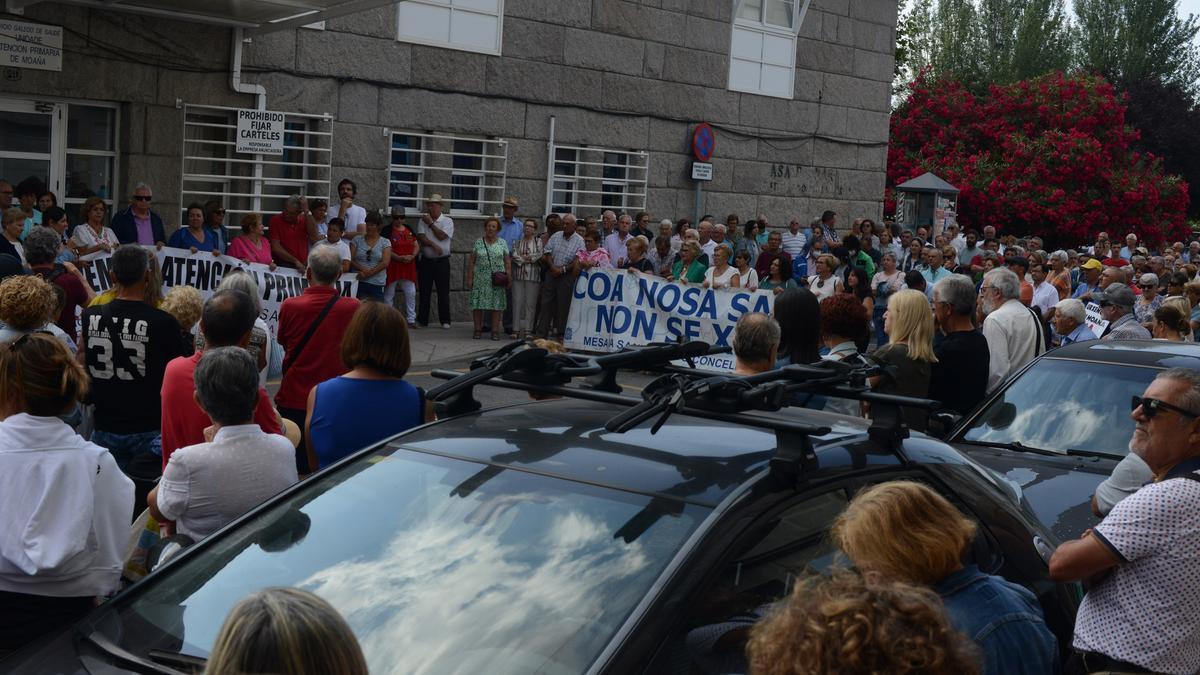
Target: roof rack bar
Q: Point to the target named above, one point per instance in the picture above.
(744, 418)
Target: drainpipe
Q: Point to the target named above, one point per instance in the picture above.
(235, 73)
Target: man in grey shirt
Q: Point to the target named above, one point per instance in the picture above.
(1128, 476)
(208, 485)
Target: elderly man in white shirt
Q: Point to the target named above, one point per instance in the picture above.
(1045, 295)
(206, 486)
(1014, 333)
(794, 241)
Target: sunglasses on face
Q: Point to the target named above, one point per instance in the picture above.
(1145, 287)
(1152, 406)
(141, 198)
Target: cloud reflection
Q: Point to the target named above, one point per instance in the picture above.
(511, 583)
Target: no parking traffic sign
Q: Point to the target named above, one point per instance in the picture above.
(704, 141)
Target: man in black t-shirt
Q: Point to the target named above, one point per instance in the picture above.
(959, 378)
(127, 344)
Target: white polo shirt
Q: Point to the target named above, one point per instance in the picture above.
(1148, 611)
(355, 216)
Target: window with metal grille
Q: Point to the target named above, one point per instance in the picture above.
(587, 180)
(245, 183)
(469, 172)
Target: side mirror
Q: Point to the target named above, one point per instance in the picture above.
(942, 422)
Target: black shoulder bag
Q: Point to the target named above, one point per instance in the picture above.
(290, 357)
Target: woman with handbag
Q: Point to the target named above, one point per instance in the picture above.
(489, 272)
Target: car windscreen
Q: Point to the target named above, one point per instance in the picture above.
(1064, 405)
(438, 565)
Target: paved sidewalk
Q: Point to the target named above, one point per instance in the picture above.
(434, 345)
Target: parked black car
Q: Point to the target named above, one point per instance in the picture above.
(1059, 426)
(590, 533)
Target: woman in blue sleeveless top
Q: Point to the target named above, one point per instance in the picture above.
(375, 350)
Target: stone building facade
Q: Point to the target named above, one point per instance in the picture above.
(611, 89)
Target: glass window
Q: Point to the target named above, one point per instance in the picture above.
(91, 128)
(762, 50)
(461, 567)
(1064, 405)
(89, 176)
(563, 198)
(469, 25)
(24, 132)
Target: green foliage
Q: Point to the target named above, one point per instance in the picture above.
(1138, 40)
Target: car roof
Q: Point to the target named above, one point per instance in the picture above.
(1144, 353)
(691, 458)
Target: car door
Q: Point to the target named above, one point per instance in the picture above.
(782, 544)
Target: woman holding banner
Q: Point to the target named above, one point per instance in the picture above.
(488, 260)
(778, 280)
(195, 237)
(688, 269)
(637, 260)
(592, 255)
(721, 274)
(747, 275)
(92, 238)
(251, 246)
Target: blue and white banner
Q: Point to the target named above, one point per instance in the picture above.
(614, 309)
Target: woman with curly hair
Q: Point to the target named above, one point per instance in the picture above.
(842, 624)
(29, 304)
(924, 538)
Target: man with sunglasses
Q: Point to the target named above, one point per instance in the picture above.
(138, 224)
(1142, 609)
(1116, 307)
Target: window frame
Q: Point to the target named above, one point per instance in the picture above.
(764, 29)
(453, 7)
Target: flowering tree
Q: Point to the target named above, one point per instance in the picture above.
(1051, 156)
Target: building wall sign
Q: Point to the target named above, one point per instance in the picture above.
(260, 132)
(30, 45)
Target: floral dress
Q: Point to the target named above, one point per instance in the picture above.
(488, 259)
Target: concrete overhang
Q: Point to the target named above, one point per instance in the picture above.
(255, 17)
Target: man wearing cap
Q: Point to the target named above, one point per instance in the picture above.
(1116, 307)
(436, 233)
(1090, 270)
(511, 231)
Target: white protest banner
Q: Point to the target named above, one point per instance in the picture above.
(614, 309)
(1093, 320)
(259, 132)
(204, 271)
(30, 45)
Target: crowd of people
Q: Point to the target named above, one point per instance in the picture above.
(158, 404)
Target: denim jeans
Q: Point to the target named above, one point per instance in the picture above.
(130, 451)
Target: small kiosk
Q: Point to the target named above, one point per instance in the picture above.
(926, 200)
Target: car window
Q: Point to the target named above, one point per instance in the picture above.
(438, 565)
(1061, 405)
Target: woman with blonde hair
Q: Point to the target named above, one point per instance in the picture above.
(287, 631)
(844, 624)
(908, 355)
(903, 531)
(185, 304)
(825, 283)
(29, 304)
(688, 268)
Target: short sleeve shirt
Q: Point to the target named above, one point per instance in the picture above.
(1148, 611)
(446, 225)
(292, 236)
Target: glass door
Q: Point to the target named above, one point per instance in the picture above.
(30, 140)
